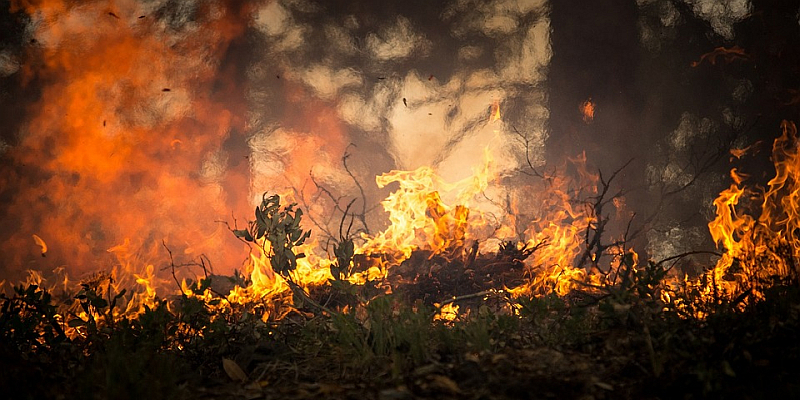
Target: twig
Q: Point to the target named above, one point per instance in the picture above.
(466, 297)
(296, 289)
(343, 236)
(171, 264)
(527, 144)
(471, 296)
(686, 254)
(593, 240)
(363, 215)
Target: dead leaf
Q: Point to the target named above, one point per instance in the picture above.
(498, 357)
(233, 370)
(444, 383)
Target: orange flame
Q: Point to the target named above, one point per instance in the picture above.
(756, 249)
(39, 242)
(587, 110)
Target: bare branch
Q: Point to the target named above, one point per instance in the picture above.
(362, 216)
(527, 143)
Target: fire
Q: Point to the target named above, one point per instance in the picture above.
(418, 217)
(587, 111)
(758, 249)
(129, 151)
(447, 313)
(39, 242)
(115, 155)
(446, 218)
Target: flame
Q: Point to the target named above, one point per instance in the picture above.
(422, 219)
(39, 242)
(447, 313)
(418, 217)
(587, 110)
(98, 109)
(756, 249)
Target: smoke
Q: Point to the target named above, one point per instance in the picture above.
(157, 119)
(400, 86)
(125, 143)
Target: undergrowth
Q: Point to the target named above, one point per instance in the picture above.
(646, 348)
(626, 340)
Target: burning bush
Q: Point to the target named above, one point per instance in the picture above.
(414, 310)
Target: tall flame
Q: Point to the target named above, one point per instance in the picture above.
(756, 250)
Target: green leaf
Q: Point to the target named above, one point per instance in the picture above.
(99, 302)
(262, 230)
(74, 323)
(260, 218)
(291, 257)
(335, 271)
(243, 233)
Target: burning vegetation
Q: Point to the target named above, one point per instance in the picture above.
(443, 288)
(489, 270)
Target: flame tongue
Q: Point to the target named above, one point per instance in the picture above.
(418, 216)
(758, 249)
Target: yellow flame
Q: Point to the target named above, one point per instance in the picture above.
(419, 219)
(447, 313)
(755, 249)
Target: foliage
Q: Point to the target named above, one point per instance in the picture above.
(182, 341)
(632, 336)
(281, 228)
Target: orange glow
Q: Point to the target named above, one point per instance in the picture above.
(419, 219)
(39, 242)
(123, 158)
(755, 249)
(130, 153)
(587, 111)
(447, 313)
(422, 219)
